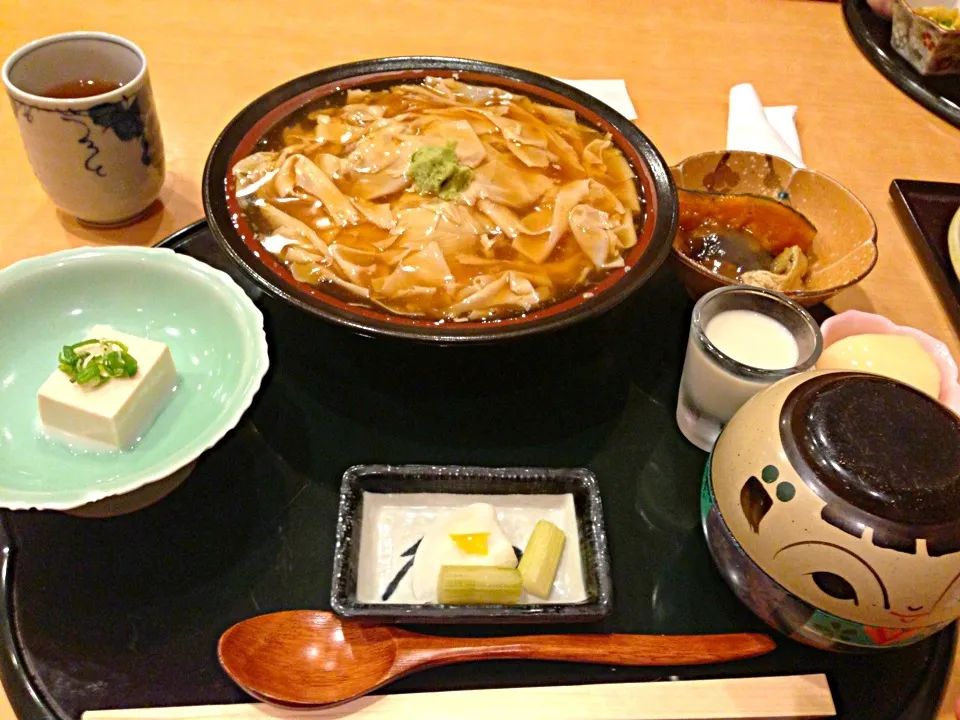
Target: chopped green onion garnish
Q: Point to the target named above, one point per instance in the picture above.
(96, 362)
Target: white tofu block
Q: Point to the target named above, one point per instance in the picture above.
(117, 413)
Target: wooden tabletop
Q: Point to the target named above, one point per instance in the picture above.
(209, 59)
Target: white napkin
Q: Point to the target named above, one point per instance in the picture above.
(612, 92)
(750, 126)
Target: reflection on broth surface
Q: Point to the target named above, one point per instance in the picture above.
(442, 201)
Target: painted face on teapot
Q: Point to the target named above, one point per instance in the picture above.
(845, 489)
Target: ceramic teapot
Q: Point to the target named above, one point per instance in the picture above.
(831, 505)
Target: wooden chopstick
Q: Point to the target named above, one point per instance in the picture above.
(794, 696)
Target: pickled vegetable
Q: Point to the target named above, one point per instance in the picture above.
(472, 543)
(478, 585)
(541, 558)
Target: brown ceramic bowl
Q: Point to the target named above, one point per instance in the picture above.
(655, 229)
(845, 248)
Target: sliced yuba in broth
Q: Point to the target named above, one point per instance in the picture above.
(519, 205)
(785, 273)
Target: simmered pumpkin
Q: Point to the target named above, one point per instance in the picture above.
(772, 224)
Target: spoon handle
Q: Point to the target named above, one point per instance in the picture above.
(421, 650)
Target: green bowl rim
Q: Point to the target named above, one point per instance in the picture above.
(259, 362)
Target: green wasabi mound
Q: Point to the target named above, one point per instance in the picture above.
(436, 171)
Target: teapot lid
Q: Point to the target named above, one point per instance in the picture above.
(881, 455)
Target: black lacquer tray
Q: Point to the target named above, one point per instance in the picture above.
(939, 94)
(126, 612)
(925, 209)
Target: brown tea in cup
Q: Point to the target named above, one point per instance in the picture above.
(74, 89)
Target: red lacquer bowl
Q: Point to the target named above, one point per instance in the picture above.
(654, 184)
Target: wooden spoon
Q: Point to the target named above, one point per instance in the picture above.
(310, 658)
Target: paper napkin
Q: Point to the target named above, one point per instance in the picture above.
(751, 126)
(612, 92)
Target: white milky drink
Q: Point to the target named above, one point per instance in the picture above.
(742, 339)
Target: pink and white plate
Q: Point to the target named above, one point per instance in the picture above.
(855, 322)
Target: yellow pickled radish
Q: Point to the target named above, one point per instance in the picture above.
(472, 543)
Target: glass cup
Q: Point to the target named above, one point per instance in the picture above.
(714, 385)
(99, 157)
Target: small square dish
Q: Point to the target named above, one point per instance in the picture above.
(927, 35)
(386, 512)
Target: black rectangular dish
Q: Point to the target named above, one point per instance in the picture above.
(126, 612)
(925, 210)
(466, 481)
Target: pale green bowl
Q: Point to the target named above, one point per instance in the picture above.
(213, 330)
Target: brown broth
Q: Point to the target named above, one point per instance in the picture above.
(723, 251)
(75, 89)
(568, 269)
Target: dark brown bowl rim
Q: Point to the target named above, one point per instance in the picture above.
(821, 294)
(253, 122)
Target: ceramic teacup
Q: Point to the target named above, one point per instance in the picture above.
(99, 158)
